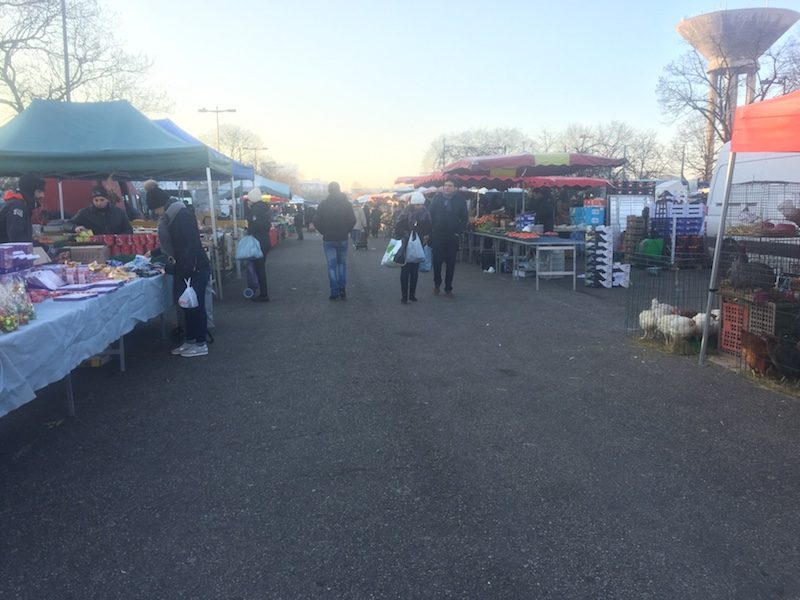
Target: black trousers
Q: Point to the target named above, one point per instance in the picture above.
(409, 274)
(445, 251)
(260, 266)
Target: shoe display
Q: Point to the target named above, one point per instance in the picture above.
(182, 348)
(195, 350)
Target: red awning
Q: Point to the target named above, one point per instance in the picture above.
(503, 183)
(768, 126)
(530, 165)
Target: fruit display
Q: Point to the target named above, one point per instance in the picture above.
(85, 236)
(485, 223)
(522, 235)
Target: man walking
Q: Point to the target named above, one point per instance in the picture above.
(335, 219)
(449, 220)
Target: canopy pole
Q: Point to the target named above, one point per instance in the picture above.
(235, 226)
(214, 251)
(712, 289)
(61, 196)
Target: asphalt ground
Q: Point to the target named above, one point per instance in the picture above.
(505, 443)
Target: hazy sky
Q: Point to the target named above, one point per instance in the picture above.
(356, 90)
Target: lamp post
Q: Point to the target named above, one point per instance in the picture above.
(255, 154)
(67, 83)
(216, 110)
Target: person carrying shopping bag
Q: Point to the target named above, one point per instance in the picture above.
(413, 220)
(180, 239)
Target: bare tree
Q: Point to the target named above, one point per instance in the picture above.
(32, 59)
(683, 90)
(236, 142)
(475, 142)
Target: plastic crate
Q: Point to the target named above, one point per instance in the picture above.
(88, 254)
(735, 317)
(762, 318)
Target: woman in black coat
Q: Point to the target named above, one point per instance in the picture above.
(259, 222)
(415, 217)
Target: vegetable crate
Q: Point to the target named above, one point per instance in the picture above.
(762, 318)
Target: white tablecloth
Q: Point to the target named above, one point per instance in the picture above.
(65, 333)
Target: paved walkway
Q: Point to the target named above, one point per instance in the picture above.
(502, 444)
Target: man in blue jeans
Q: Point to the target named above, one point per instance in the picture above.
(335, 220)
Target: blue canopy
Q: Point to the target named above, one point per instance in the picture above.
(268, 186)
(240, 171)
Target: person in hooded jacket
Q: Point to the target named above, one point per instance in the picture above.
(179, 238)
(259, 222)
(414, 217)
(102, 217)
(15, 214)
(335, 219)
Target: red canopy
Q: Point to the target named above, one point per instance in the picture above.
(768, 126)
(507, 182)
(521, 165)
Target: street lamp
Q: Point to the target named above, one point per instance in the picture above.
(255, 150)
(216, 110)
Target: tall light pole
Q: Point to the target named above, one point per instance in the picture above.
(216, 110)
(255, 154)
(66, 50)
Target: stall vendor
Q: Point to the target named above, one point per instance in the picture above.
(15, 214)
(102, 217)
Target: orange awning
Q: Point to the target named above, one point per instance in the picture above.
(768, 126)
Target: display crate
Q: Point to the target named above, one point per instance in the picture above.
(681, 211)
(735, 317)
(762, 318)
(88, 254)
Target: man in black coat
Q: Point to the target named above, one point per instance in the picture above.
(15, 214)
(449, 220)
(259, 223)
(335, 220)
(102, 217)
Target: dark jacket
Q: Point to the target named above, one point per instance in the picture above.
(419, 221)
(259, 222)
(299, 219)
(111, 220)
(190, 256)
(15, 221)
(335, 218)
(448, 218)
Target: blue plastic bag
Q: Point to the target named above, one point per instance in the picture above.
(248, 248)
(427, 264)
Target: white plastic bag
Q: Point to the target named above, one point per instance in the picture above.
(188, 298)
(248, 248)
(391, 251)
(415, 252)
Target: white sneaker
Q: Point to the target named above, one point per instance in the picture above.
(195, 350)
(182, 348)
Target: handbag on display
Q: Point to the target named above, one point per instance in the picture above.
(390, 256)
(415, 252)
(188, 299)
(248, 248)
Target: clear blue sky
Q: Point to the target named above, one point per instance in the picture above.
(356, 90)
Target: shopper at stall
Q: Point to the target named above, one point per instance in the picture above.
(15, 214)
(189, 260)
(448, 220)
(259, 222)
(415, 217)
(102, 217)
(299, 221)
(375, 220)
(335, 219)
(360, 226)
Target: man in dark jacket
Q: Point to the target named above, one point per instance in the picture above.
(102, 217)
(15, 214)
(335, 219)
(448, 220)
(190, 262)
(259, 223)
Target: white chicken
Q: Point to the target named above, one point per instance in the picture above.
(676, 328)
(713, 324)
(648, 318)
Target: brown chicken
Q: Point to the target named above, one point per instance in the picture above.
(755, 352)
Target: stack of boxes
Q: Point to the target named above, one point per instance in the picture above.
(16, 256)
(599, 257)
(594, 212)
(634, 233)
(526, 219)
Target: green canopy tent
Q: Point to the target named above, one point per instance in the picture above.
(93, 139)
